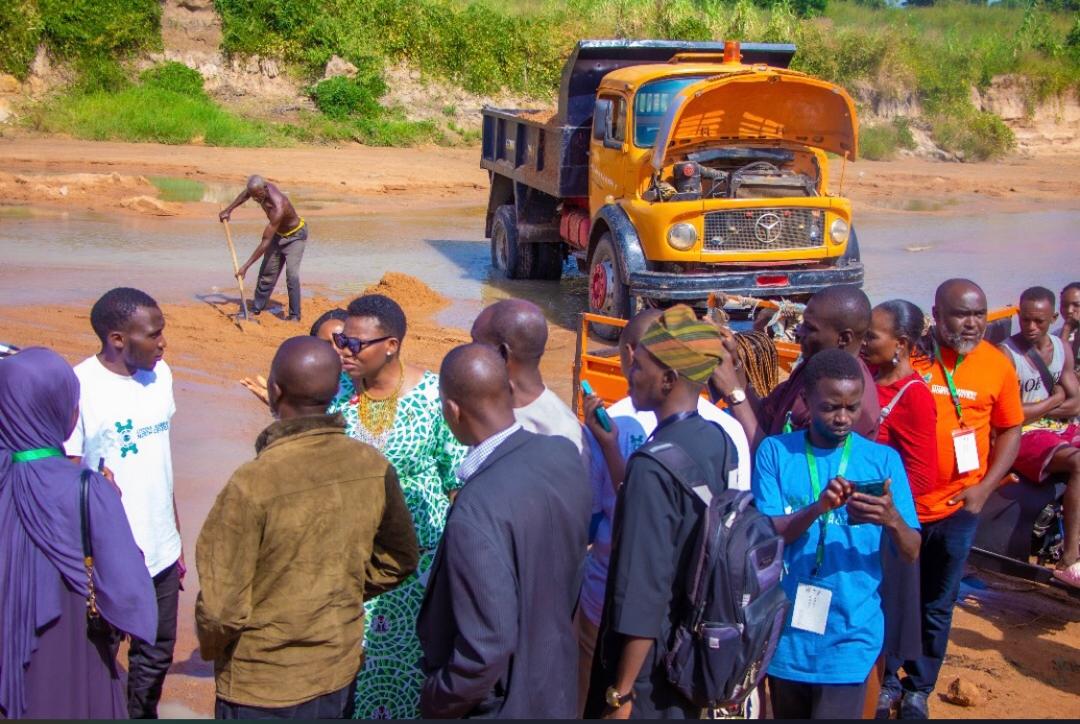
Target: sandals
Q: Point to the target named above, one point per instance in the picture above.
(1069, 576)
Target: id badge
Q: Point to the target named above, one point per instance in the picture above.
(966, 450)
(811, 610)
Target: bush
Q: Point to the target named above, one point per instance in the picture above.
(98, 73)
(20, 28)
(175, 77)
(76, 28)
(882, 142)
(343, 97)
(977, 135)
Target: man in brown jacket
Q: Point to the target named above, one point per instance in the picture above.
(295, 542)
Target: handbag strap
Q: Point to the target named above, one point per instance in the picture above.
(84, 515)
(1039, 363)
(887, 410)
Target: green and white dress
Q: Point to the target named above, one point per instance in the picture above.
(425, 455)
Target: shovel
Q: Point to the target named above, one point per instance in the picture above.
(236, 272)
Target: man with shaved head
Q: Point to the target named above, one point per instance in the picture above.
(979, 417)
(517, 328)
(837, 317)
(282, 243)
(285, 560)
(496, 625)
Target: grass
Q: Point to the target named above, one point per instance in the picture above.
(883, 142)
(144, 113)
(171, 188)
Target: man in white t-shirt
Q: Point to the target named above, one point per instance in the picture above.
(125, 409)
(517, 328)
(608, 453)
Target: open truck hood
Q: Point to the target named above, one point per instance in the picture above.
(756, 105)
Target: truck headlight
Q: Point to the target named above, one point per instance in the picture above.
(838, 231)
(682, 237)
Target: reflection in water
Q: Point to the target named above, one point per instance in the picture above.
(61, 256)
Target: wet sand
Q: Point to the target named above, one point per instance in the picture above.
(61, 253)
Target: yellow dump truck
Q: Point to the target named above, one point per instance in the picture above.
(674, 170)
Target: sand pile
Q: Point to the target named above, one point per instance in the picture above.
(413, 295)
(95, 191)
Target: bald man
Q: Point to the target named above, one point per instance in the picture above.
(837, 317)
(496, 625)
(283, 242)
(979, 418)
(518, 329)
(295, 542)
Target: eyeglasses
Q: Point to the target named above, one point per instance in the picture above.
(355, 344)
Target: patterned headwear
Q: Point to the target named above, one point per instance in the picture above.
(679, 340)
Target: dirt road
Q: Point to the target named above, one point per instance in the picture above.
(1021, 647)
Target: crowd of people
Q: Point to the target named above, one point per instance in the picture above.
(458, 544)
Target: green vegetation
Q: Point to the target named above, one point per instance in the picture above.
(185, 190)
(882, 142)
(927, 57)
(168, 105)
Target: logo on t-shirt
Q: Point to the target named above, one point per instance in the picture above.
(126, 431)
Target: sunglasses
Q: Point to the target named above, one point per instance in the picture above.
(355, 344)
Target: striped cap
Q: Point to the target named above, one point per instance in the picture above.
(685, 344)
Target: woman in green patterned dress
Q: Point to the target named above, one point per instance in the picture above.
(396, 408)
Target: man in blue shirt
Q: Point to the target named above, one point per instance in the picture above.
(809, 482)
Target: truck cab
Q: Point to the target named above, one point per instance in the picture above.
(706, 172)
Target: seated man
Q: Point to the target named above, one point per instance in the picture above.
(832, 530)
(1051, 397)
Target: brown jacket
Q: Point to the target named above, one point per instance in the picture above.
(296, 541)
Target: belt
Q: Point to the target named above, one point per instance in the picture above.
(293, 231)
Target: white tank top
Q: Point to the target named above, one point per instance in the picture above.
(1032, 388)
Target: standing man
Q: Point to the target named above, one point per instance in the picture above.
(832, 533)
(978, 430)
(1050, 443)
(837, 317)
(517, 328)
(608, 452)
(282, 242)
(125, 410)
(496, 624)
(656, 521)
(286, 556)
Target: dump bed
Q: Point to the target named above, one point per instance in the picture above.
(551, 152)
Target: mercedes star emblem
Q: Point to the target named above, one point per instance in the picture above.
(768, 227)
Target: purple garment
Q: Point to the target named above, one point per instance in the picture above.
(40, 539)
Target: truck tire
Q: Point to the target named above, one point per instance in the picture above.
(521, 261)
(608, 293)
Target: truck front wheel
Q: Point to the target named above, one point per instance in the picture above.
(608, 293)
(517, 260)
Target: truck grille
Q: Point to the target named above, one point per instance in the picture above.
(764, 229)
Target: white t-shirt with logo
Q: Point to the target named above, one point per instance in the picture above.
(126, 421)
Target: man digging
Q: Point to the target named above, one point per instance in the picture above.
(282, 242)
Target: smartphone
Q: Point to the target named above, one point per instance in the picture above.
(101, 465)
(875, 488)
(601, 414)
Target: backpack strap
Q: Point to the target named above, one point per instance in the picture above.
(1040, 366)
(673, 458)
(887, 410)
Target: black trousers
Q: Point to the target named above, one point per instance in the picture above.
(149, 662)
(335, 705)
(798, 700)
(287, 252)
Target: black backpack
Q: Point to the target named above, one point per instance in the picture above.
(735, 609)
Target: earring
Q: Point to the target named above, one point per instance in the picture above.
(896, 358)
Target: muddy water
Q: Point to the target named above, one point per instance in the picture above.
(70, 257)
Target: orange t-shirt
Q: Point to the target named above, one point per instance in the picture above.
(989, 398)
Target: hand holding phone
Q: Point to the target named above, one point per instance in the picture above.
(875, 488)
(601, 414)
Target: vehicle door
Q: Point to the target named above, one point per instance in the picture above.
(608, 150)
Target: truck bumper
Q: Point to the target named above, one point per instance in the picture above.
(767, 282)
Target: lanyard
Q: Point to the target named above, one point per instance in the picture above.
(671, 420)
(815, 485)
(949, 381)
(26, 456)
(788, 427)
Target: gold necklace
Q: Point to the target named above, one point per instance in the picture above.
(377, 415)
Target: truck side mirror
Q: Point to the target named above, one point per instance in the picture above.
(601, 118)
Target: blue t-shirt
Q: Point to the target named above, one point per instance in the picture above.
(851, 569)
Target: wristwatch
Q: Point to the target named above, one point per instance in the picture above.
(615, 700)
(736, 397)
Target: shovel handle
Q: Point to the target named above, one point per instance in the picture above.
(236, 268)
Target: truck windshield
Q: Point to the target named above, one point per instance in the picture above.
(651, 103)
